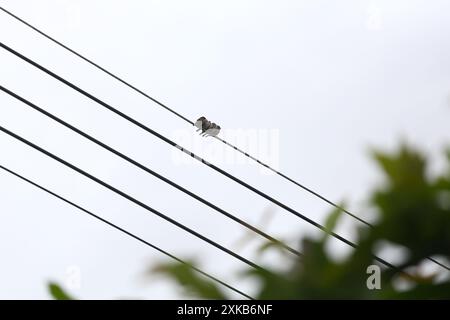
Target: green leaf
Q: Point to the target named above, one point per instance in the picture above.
(413, 214)
(270, 244)
(58, 293)
(332, 220)
(190, 280)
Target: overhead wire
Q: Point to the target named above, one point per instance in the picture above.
(141, 92)
(130, 234)
(95, 65)
(131, 199)
(150, 171)
(172, 143)
(158, 102)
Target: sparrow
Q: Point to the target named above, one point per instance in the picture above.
(206, 127)
(199, 123)
(212, 131)
(202, 124)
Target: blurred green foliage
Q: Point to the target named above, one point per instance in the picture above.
(57, 292)
(190, 280)
(414, 212)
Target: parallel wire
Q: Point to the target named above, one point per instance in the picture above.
(181, 116)
(130, 198)
(95, 65)
(148, 170)
(295, 182)
(127, 232)
(126, 83)
(170, 142)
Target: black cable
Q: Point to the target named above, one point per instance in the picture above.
(192, 123)
(156, 134)
(318, 195)
(96, 65)
(182, 117)
(127, 233)
(295, 182)
(148, 170)
(438, 263)
(130, 198)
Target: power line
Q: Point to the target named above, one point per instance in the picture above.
(96, 65)
(309, 190)
(130, 198)
(438, 263)
(170, 142)
(127, 232)
(183, 117)
(321, 197)
(148, 170)
(295, 182)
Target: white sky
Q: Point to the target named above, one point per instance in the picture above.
(333, 77)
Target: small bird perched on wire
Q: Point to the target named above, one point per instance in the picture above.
(201, 123)
(212, 131)
(207, 127)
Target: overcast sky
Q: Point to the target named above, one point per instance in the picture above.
(318, 83)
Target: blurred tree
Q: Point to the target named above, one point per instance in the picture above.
(414, 212)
